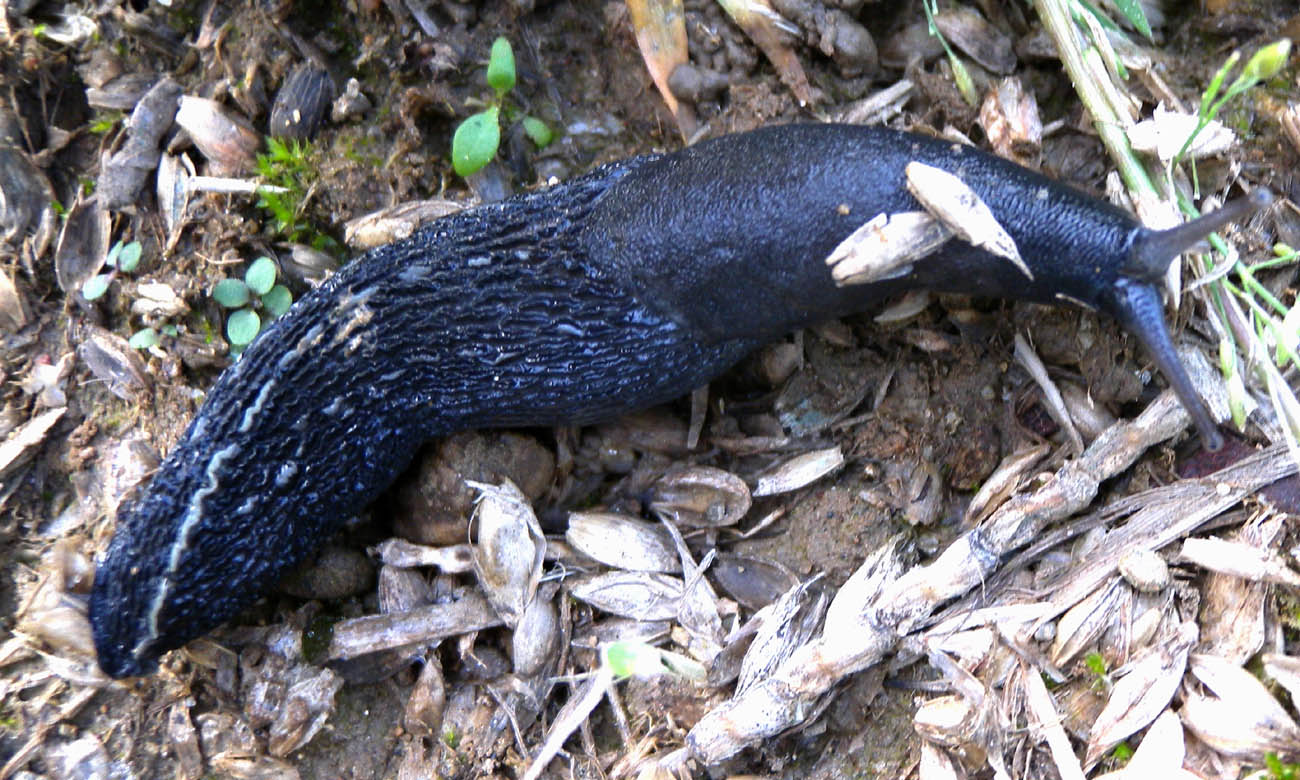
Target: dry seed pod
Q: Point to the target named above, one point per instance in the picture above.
(420, 626)
(423, 713)
(1090, 418)
(640, 595)
(622, 542)
(307, 706)
(14, 312)
(395, 222)
(112, 360)
(83, 245)
(1242, 719)
(1080, 626)
(924, 494)
(753, 582)
(1145, 570)
(955, 204)
(1143, 693)
(509, 551)
(227, 142)
(155, 299)
(536, 637)
(121, 93)
(799, 471)
(700, 496)
(26, 440)
(968, 31)
(302, 101)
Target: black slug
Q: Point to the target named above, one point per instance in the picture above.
(618, 290)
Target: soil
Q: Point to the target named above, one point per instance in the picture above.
(939, 397)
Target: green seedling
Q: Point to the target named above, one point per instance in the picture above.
(478, 138)
(1101, 675)
(148, 338)
(1276, 769)
(122, 258)
(960, 75)
(288, 165)
(257, 291)
(1262, 66)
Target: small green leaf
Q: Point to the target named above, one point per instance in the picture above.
(231, 293)
(277, 300)
(1133, 11)
(96, 286)
(501, 66)
(623, 658)
(242, 326)
(537, 130)
(1268, 61)
(113, 252)
(965, 83)
(130, 257)
(170, 330)
(475, 142)
(261, 275)
(145, 338)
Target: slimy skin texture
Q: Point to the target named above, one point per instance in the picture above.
(615, 291)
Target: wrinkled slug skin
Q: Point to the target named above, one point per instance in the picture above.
(615, 291)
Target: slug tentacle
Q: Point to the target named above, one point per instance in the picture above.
(612, 292)
(1153, 250)
(1138, 308)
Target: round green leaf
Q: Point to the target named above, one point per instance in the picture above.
(144, 339)
(261, 275)
(501, 66)
(129, 258)
(277, 300)
(231, 293)
(475, 142)
(170, 330)
(242, 326)
(96, 286)
(537, 130)
(113, 252)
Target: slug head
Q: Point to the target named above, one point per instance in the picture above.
(1135, 299)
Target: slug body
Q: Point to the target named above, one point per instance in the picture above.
(618, 290)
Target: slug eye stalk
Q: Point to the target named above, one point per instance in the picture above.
(1153, 250)
(1135, 301)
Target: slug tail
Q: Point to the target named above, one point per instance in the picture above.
(1138, 308)
(1153, 250)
